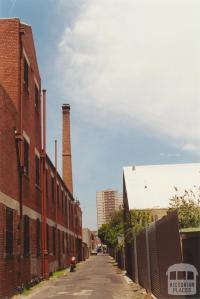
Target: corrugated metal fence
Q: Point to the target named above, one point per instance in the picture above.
(149, 255)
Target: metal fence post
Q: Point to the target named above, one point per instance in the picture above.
(148, 259)
(135, 259)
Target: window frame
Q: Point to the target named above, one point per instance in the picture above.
(26, 153)
(26, 235)
(37, 98)
(9, 246)
(47, 239)
(54, 240)
(37, 170)
(52, 189)
(59, 245)
(58, 195)
(38, 234)
(26, 157)
(26, 72)
(63, 242)
(62, 201)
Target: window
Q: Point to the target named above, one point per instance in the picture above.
(9, 231)
(66, 209)
(63, 242)
(26, 157)
(62, 199)
(59, 242)
(38, 234)
(37, 170)
(67, 243)
(52, 188)
(47, 193)
(58, 199)
(54, 240)
(26, 236)
(25, 72)
(36, 97)
(71, 243)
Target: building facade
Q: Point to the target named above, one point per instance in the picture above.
(91, 241)
(41, 223)
(107, 202)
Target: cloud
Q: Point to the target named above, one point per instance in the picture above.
(190, 147)
(13, 3)
(138, 61)
(170, 155)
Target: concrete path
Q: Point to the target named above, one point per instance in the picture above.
(96, 278)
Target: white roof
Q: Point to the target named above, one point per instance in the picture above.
(152, 186)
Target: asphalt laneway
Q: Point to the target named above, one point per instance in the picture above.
(96, 278)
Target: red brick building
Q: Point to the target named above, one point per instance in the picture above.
(40, 221)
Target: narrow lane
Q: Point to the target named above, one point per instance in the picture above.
(96, 278)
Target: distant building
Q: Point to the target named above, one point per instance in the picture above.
(107, 202)
(87, 239)
(90, 242)
(87, 243)
(95, 240)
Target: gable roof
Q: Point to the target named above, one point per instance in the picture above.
(152, 186)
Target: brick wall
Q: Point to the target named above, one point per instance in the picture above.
(8, 122)
(18, 99)
(10, 53)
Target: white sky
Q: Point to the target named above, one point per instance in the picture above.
(152, 186)
(139, 60)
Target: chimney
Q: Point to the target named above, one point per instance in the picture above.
(66, 148)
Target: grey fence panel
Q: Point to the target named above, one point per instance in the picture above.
(142, 260)
(155, 250)
(191, 253)
(129, 260)
(168, 248)
(154, 266)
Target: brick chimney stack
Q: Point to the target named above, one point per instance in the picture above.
(66, 148)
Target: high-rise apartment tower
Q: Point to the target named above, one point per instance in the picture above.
(107, 202)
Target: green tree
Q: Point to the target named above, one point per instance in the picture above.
(140, 219)
(110, 232)
(188, 207)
